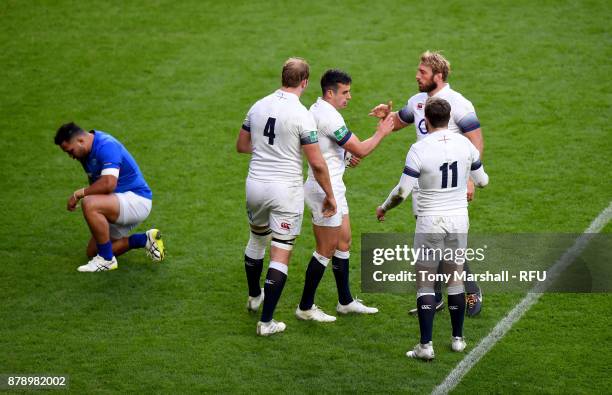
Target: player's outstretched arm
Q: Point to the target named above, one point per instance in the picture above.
(321, 174)
(397, 195)
(243, 144)
(384, 110)
(364, 148)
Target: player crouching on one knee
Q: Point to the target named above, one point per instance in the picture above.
(441, 164)
(116, 200)
(333, 234)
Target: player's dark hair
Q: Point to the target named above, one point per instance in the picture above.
(66, 132)
(295, 70)
(437, 112)
(331, 79)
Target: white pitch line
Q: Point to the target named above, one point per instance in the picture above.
(503, 326)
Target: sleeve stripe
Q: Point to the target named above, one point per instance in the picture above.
(470, 127)
(247, 128)
(468, 123)
(307, 140)
(345, 138)
(405, 115)
(412, 173)
(476, 165)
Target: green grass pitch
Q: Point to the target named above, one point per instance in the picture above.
(173, 81)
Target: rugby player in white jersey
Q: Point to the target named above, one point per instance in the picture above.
(441, 164)
(432, 75)
(333, 234)
(275, 132)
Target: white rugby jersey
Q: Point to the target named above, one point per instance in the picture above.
(332, 133)
(442, 162)
(279, 125)
(462, 117)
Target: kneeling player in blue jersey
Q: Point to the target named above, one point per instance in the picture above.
(116, 200)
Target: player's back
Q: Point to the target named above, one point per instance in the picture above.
(278, 123)
(444, 159)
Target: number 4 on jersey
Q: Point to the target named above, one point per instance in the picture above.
(269, 130)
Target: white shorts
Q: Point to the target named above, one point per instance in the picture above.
(314, 196)
(133, 209)
(277, 205)
(441, 232)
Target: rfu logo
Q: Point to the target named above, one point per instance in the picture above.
(419, 106)
(285, 225)
(422, 127)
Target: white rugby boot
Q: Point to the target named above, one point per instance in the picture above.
(422, 351)
(98, 264)
(270, 328)
(356, 306)
(314, 314)
(457, 344)
(254, 302)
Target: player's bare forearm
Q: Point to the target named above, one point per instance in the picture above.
(321, 174)
(243, 144)
(319, 167)
(364, 148)
(103, 186)
(397, 122)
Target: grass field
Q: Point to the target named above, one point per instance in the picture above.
(173, 82)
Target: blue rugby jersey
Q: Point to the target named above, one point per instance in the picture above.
(108, 153)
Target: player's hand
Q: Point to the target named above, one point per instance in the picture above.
(329, 206)
(351, 160)
(380, 214)
(382, 110)
(385, 126)
(72, 203)
(470, 190)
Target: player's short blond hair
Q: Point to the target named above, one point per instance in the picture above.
(436, 62)
(295, 70)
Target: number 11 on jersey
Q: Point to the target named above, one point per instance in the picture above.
(444, 168)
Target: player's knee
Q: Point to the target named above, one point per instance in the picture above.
(87, 204)
(258, 241)
(327, 251)
(344, 245)
(284, 242)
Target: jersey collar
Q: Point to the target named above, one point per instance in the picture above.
(444, 89)
(324, 103)
(286, 95)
